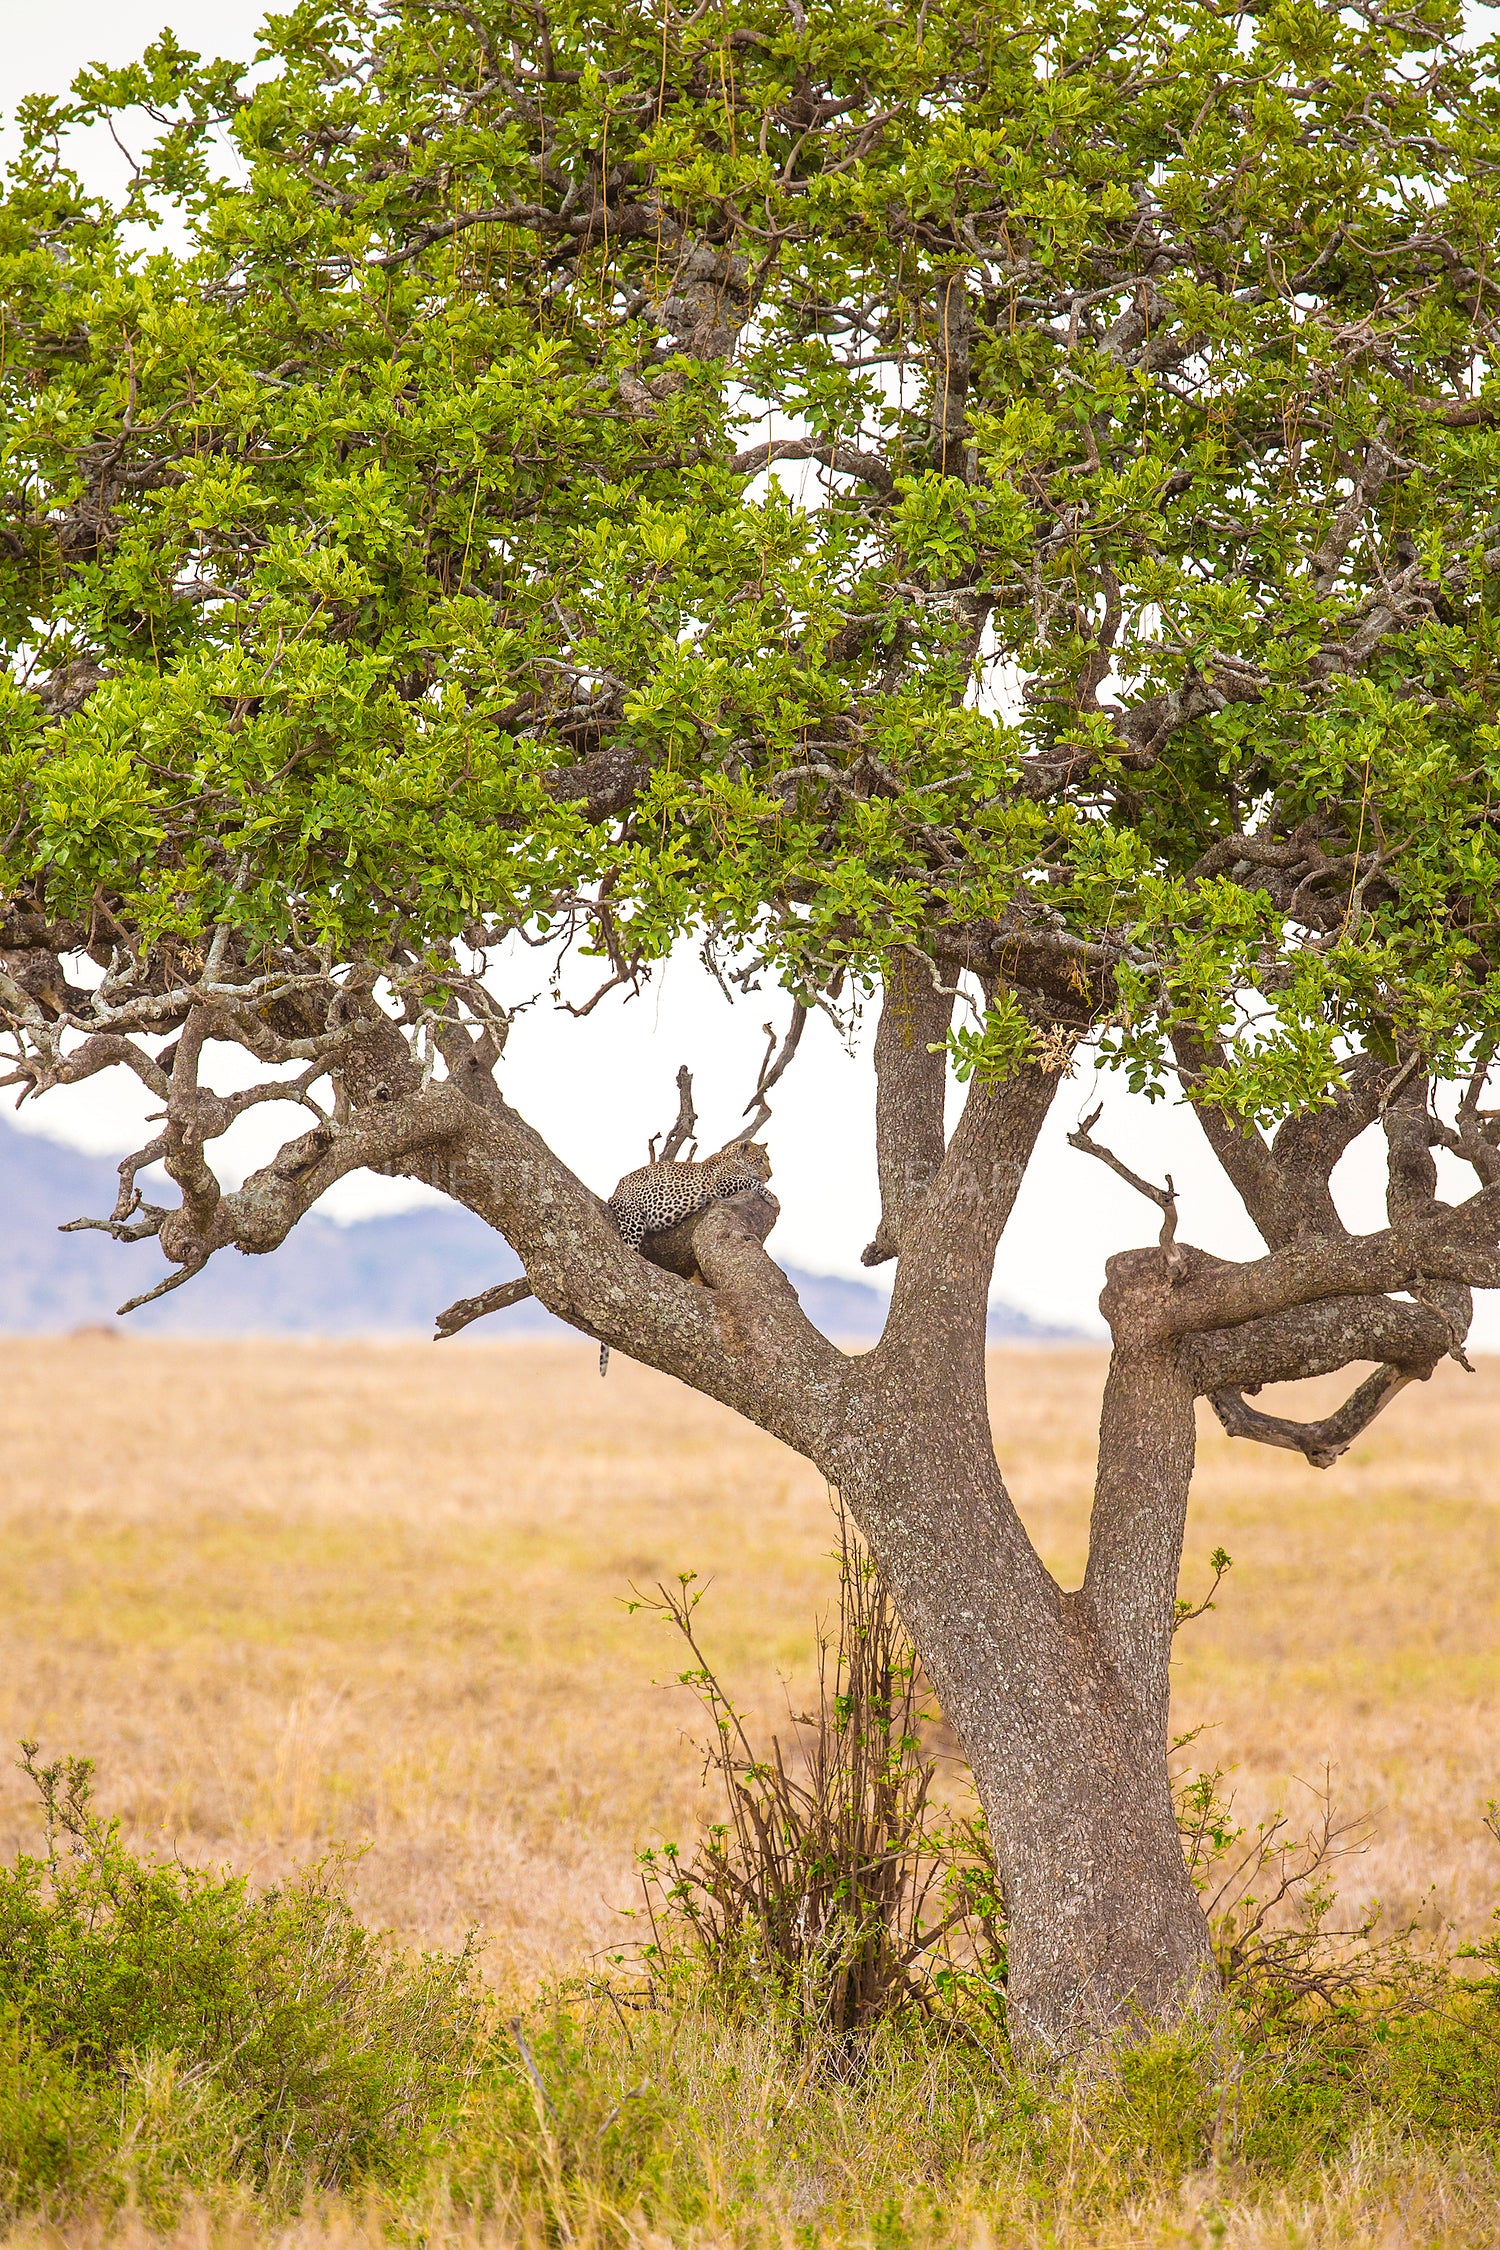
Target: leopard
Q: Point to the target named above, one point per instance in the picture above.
(658, 1196)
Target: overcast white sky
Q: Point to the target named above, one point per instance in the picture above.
(598, 1088)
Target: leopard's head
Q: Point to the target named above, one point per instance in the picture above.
(750, 1156)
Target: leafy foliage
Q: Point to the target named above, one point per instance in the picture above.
(1125, 346)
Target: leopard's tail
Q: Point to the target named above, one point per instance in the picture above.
(603, 1359)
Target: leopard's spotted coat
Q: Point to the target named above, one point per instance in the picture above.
(657, 1196)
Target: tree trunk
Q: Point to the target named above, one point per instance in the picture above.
(1066, 1735)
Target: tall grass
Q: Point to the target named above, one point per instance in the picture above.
(171, 2041)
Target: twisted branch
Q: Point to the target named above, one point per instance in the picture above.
(1322, 1443)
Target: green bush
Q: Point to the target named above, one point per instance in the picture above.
(162, 2027)
(165, 2034)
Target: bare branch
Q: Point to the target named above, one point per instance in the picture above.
(102, 1051)
(495, 1299)
(770, 1072)
(1475, 1132)
(1322, 1443)
(621, 974)
(173, 1281)
(143, 1227)
(683, 1133)
(1082, 1138)
(1165, 1198)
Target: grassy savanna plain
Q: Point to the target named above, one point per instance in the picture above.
(292, 1596)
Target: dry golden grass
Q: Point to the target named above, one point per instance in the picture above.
(1409, 2201)
(289, 1594)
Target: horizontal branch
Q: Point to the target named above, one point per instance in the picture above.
(1316, 1339)
(844, 460)
(623, 222)
(1450, 1244)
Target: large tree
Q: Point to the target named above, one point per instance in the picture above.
(390, 571)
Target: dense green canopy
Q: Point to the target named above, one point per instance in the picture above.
(388, 564)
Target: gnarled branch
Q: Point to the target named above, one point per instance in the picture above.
(1323, 1442)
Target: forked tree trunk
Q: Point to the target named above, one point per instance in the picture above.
(1105, 1931)
(1059, 1701)
(1059, 1698)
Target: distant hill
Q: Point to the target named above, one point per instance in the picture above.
(379, 1275)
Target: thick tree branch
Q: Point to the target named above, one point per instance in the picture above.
(1307, 1148)
(1450, 1245)
(1284, 1185)
(953, 1229)
(1146, 1447)
(743, 1339)
(1316, 1339)
(953, 344)
(911, 1079)
(606, 784)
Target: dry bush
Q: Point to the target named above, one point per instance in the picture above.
(833, 1883)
